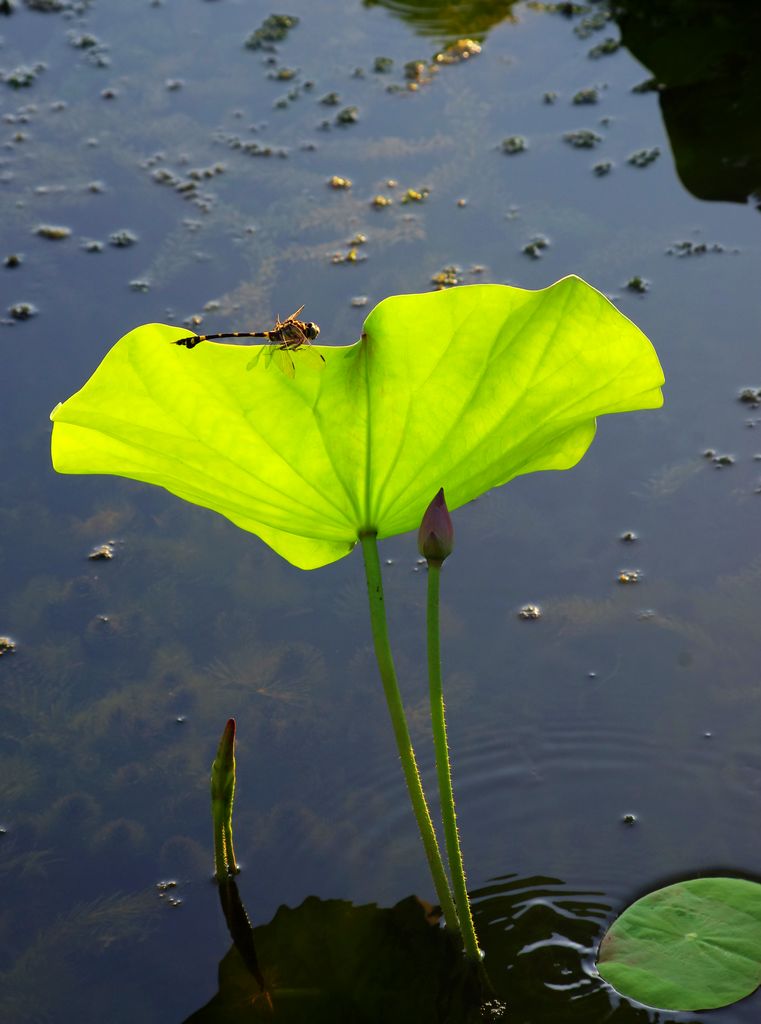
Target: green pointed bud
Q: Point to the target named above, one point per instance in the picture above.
(222, 796)
(223, 767)
(435, 538)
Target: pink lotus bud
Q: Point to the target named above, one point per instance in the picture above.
(435, 538)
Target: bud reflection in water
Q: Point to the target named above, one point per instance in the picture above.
(330, 961)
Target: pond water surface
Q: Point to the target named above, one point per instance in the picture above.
(191, 174)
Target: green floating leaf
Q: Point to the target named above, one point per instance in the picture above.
(695, 945)
(462, 389)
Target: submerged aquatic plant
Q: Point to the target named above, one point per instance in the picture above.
(462, 389)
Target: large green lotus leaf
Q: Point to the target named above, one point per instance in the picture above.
(692, 946)
(462, 389)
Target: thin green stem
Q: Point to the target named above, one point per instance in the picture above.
(401, 731)
(221, 870)
(443, 770)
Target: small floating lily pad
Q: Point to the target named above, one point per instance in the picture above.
(536, 247)
(272, 30)
(102, 553)
(586, 96)
(21, 77)
(644, 157)
(648, 85)
(459, 50)
(54, 232)
(22, 311)
(591, 23)
(689, 248)
(416, 70)
(695, 945)
(85, 41)
(605, 48)
(583, 138)
(514, 144)
(413, 195)
(628, 576)
(447, 277)
(122, 239)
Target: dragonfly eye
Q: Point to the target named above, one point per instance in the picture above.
(311, 330)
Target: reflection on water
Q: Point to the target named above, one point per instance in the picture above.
(449, 21)
(327, 960)
(704, 59)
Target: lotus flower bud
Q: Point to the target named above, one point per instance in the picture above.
(435, 538)
(223, 768)
(222, 796)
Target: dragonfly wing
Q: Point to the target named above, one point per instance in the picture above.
(258, 349)
(310, 357)
(284, 361)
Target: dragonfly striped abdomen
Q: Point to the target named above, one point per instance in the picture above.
(286, 337)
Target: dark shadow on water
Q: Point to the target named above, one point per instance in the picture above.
(328, 960)
(703, 55)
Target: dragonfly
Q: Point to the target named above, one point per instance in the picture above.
(286, 337)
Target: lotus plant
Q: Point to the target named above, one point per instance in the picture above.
(452, 392)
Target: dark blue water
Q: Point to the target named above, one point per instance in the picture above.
(635, 699)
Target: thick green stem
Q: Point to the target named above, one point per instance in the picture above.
(443, 770)
(401, 731)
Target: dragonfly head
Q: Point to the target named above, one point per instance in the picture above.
(311, 330)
